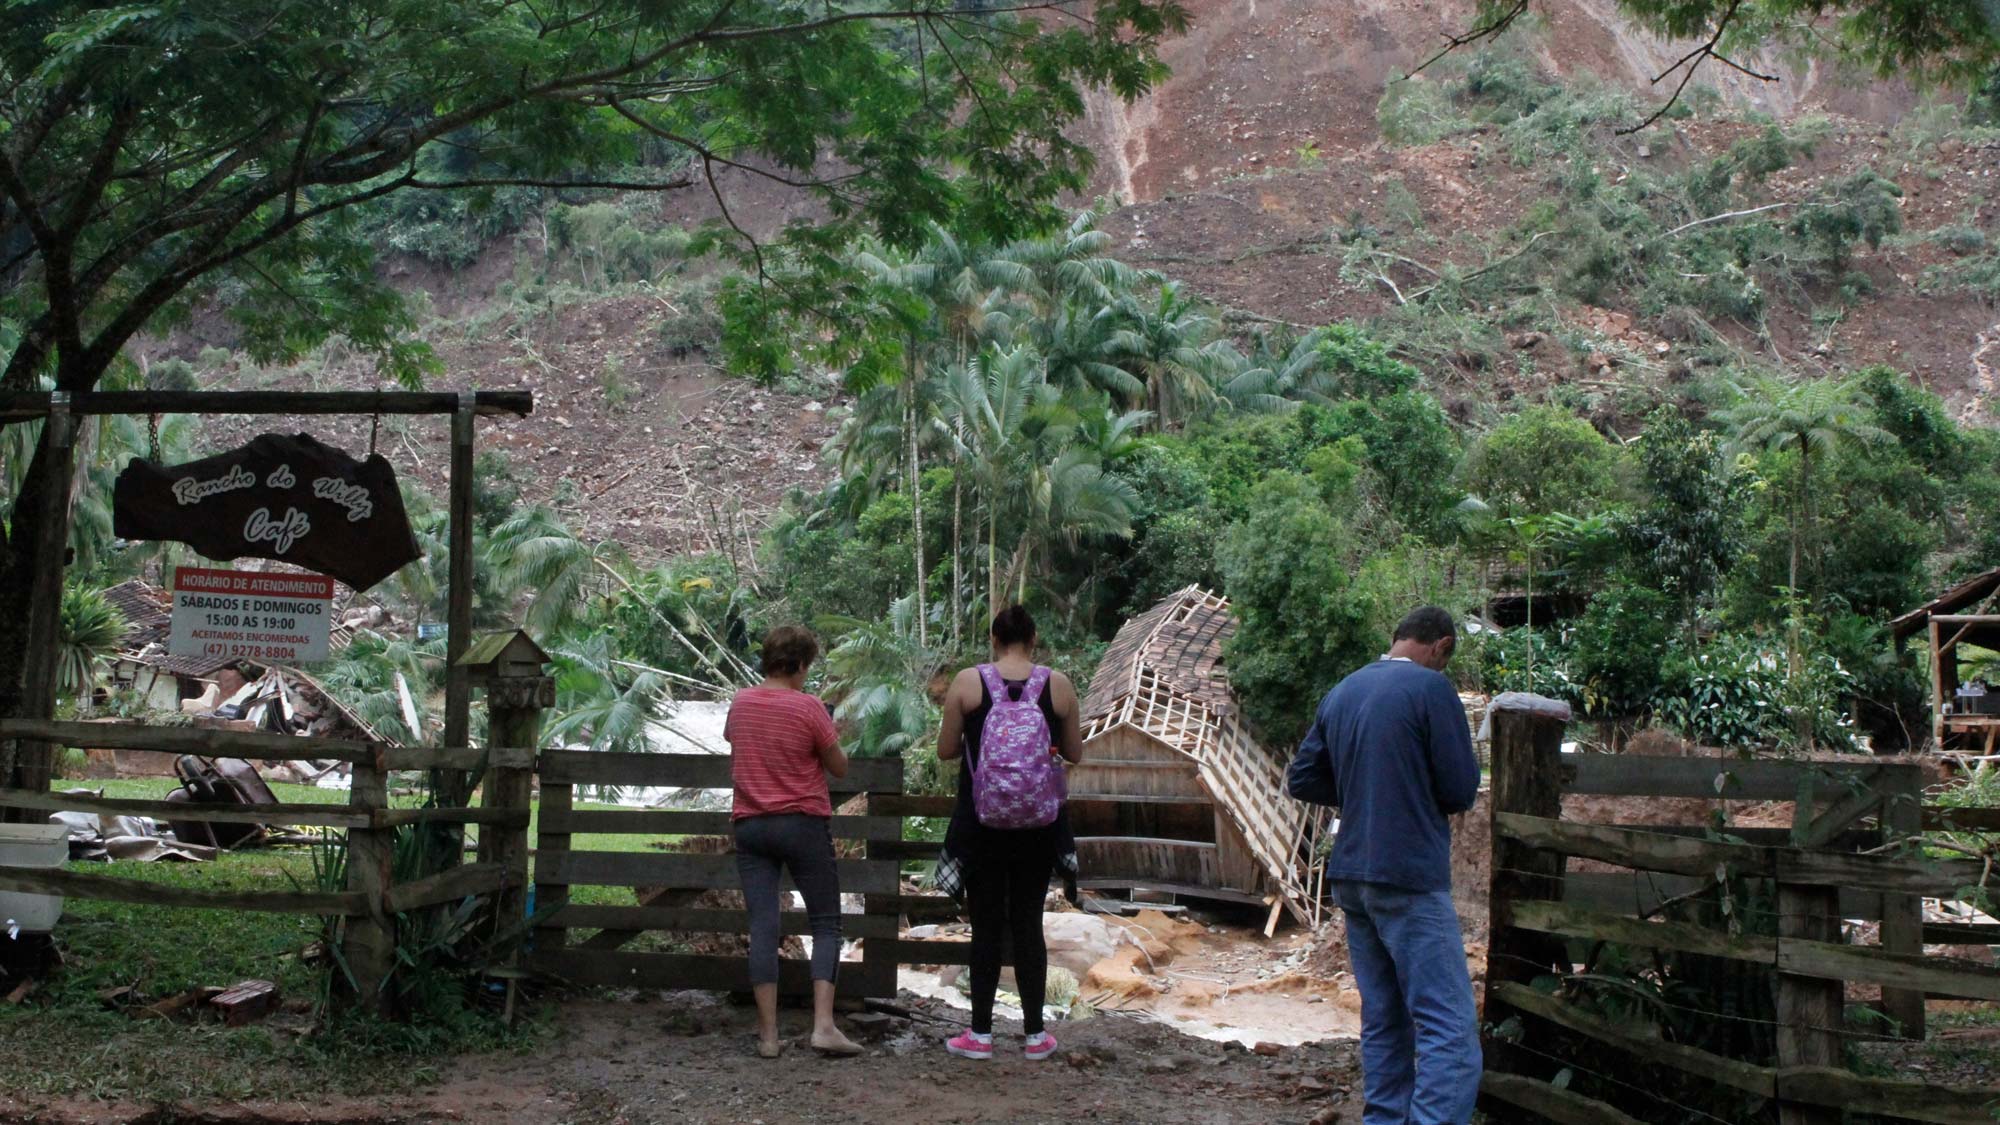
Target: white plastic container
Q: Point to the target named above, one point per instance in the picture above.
(31, 845)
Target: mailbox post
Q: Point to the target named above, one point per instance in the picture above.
(511, 667)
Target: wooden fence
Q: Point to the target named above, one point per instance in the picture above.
(668, 883)
(1743, 906)
(370, 899)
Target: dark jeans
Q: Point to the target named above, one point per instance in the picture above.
(802, 845)
(1420, 1056)
(1004, 890)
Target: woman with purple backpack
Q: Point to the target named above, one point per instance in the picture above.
(1006, 721)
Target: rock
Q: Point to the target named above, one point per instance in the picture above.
(1268, 1050)
(1079, 941)
(871, 1021)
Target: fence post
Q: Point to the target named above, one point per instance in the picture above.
(1809, 1008)
(515, 699)
(1903, 915)
(368, 945)
(879, 956)
(1528, 778)
(557, 800)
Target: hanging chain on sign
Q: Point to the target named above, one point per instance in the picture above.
(374, 428)
(153, 439)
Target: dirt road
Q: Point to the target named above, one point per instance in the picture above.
(686, 1059)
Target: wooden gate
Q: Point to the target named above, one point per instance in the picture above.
(1730, 935)
(667, 883)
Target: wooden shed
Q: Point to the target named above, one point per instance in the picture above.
(1962, 723)
(1173, 793)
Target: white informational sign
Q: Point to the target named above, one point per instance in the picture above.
(241, 614)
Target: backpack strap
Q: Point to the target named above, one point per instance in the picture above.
(996, 688)
(1037, 681)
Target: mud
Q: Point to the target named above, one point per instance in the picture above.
(686, 1058)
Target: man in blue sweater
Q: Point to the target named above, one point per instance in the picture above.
(1390, 748)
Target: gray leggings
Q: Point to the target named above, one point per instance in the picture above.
(802, 845)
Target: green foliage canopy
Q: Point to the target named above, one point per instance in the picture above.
(1304, 623)
(151, 154)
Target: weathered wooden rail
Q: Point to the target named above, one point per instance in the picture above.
(371, 898)
(1547, 920)
(668, 883)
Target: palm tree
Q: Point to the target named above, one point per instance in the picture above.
(605, 703)
(89, 629)
(375, 674)
(534, 552)
(1066, 501)
(1072, 265)
(1284, 381)
(881, 672)
(1088, 347)
(989, 403)
(1179, 355)
(1812, 418)
(969, 288)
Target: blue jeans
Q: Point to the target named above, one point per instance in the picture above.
(1420, 1057)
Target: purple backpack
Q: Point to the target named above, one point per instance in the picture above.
(1016, 782)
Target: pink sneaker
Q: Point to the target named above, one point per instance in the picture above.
(967, 1045)
(1040, 1046)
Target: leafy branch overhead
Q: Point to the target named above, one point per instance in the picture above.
(155, 156)
(1949, 41)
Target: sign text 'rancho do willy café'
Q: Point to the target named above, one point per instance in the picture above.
(291, 499)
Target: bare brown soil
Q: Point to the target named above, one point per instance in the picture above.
(686, 1058)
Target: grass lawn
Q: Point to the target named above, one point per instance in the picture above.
(64, 1041)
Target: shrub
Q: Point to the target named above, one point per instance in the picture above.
(1418, 111)
(1544, 460)
(1617, 647)
(612, 242)
(1533, 660)
(1304, 623)
(1735, 690)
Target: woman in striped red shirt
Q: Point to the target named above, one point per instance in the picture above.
(782, 747)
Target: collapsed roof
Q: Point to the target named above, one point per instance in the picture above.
(1164, 677)
(148, 611)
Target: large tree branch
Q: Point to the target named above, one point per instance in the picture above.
(44, 120)
(557, 185)
(28, 356)
(1488, 30)
(708, 154)
(169, 285)
(102, 164)
(1692, 62)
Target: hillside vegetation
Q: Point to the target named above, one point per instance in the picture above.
(1509, 349)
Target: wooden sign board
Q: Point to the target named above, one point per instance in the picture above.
(247, 615)
(294, 499)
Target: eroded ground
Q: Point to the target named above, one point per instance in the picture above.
(686, 1058)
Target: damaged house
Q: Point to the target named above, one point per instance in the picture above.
(219, 692)
(1174, 794)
